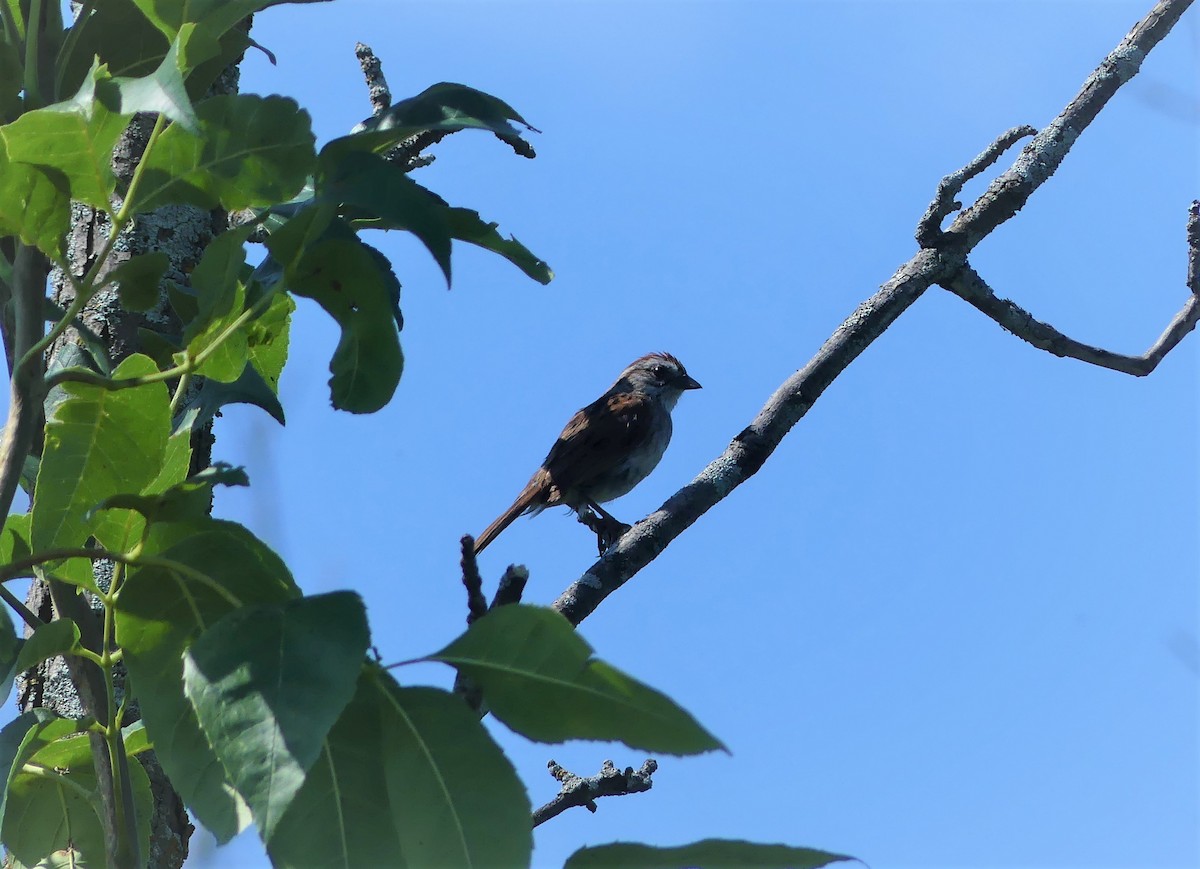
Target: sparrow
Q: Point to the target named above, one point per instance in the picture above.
(606, 449)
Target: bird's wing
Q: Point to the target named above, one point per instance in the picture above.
(598, 438)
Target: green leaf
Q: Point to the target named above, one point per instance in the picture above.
(371, 186)
(706, 854)
(14, 539)
(96, 357)
(135, 738)
(407, 777)
(122, 37)
(159, 346)
(160, 611)
(10, 649)
(466, 225)
(54, 818)
(15, 544)
(341, 818)
(35, 205)
(267, 683)
(19, 741)
(250, 388)
(138, 279)
(74, 137)
(216, 16)
(175, 464)
(59, 637)
(98, 443)
(344, 277)
(13, 739)
(267, 342)
(162, 91)
(221, 300)
(458, 796)
(12, 69)
(538, 676)
(29, 471)
(444, 106)
(251, 150)
(185, 501)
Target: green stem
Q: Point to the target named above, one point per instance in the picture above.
(128, 844)
(11, 31)
(125, 213)
(180, 393)
(19, 568)
(83, 375)
(33, 32)
(61, 326)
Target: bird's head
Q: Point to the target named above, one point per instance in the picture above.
(659, 374)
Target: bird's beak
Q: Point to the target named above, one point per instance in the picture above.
(686, 382)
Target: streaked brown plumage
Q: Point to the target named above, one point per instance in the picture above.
(608, 447)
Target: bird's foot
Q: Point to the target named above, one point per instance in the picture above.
(607, 529)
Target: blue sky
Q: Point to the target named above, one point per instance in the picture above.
(953, 621)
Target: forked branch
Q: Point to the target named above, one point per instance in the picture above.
(942, 260)
(579, 791)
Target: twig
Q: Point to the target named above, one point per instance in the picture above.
(511, 587)
(1003, 198)
(476, 603)
(377, 87)
(609, 782)
(968, 285)
(929, 229)
(1193, 240)
(1009, 192)
(408, 152)
(509, 591)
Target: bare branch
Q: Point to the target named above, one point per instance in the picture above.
(970, 286)
(1193, 239)
(508, 591)
(476, 603)
(609, 782)
(1003, 198)
(1009, 192)
(377, 87)
(929, 229)
(511, 587)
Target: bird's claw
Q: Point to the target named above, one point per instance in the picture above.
(607, 537)
(607, 529)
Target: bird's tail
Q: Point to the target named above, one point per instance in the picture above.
(525, 503)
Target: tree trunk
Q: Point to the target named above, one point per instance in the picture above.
(183, 233)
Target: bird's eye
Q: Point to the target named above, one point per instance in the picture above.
(659, 370)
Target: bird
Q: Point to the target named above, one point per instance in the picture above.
(606, 449)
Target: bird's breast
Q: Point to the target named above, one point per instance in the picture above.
(637, 465)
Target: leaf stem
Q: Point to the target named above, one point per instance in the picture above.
(124, 213)
(185, 380)
(183, 370)
(17, 569)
